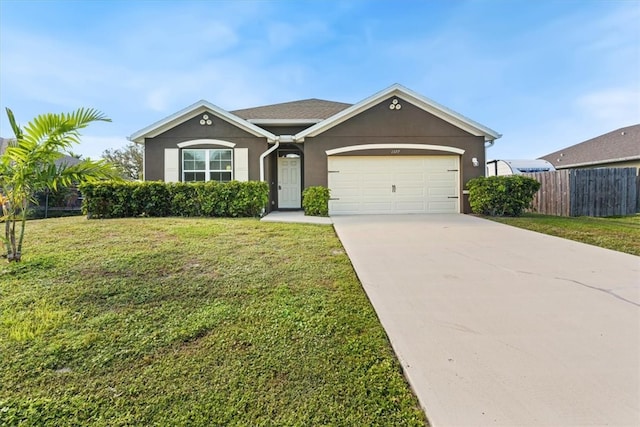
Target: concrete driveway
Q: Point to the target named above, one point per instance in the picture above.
(495, 325)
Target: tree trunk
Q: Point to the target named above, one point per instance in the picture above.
(23, 223)
(7, 233)
(11, 253)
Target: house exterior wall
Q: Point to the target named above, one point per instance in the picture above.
(191, 130)
(381, 125)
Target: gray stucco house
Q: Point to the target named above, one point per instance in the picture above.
(394, 152)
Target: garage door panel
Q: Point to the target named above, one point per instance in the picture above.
(345, 177)
(347, 193)
(376, 192)
(442, 176)
(409, 163)
(438, 192)
(377, 205)
(441, 183)
(411, 206)
(410, 190)
(378, 177)
(416, 184)
(409, 177)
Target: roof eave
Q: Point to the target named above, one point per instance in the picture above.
(284, 122)
(595, 162)
(422, 102)
(191, 111)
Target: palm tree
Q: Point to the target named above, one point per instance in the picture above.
(29, 165)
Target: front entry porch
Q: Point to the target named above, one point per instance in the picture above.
(295, 216)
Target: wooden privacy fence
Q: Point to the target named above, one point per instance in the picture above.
(587, 192)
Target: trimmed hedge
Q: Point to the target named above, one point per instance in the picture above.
(157, 199)
(315, 201)
(501, 195)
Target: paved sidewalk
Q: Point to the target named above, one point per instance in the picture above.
(295, 217)
(500, 326)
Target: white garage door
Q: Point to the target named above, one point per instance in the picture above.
(385, 185)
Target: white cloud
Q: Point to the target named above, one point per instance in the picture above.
(618, 106)
(157, 99)
(282, 35)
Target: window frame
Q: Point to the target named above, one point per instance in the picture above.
(207, 170)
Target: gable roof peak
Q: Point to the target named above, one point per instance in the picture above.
(408, 95)
(191, 111)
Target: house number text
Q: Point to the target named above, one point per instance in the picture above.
(395, 151)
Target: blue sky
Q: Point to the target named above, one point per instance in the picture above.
(546, 73)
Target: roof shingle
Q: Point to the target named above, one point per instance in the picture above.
(620, 144)
(306, 109)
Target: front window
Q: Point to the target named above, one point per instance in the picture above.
(199, 165)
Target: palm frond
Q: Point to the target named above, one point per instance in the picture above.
(83, 116)
(87, 171)
(51, 132)
(58, 132)
(14, 125)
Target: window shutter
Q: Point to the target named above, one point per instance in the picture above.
(171, 165)
(241, 164)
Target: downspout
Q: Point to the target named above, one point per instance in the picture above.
(490, 144)
(263, 156)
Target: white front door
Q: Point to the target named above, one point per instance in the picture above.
(289, 183)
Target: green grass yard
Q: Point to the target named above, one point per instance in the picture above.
(618, 233)
(192, 322)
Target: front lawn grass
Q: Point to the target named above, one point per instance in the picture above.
(618, 233)
(175, 321)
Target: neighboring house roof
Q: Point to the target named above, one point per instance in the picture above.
(67, 161)
(418, 100)
(617, 146)
(3, 145)
(190, 112)
(306, 111)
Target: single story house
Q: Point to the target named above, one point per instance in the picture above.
(617, 149)
(393, 152)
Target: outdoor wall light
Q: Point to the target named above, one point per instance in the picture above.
(475, 162)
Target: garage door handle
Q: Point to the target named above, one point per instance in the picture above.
(279, 187)
(452, 197)
(393, 188)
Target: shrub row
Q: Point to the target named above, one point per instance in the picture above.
(315, 201)
(158, 199)
(501, 195)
